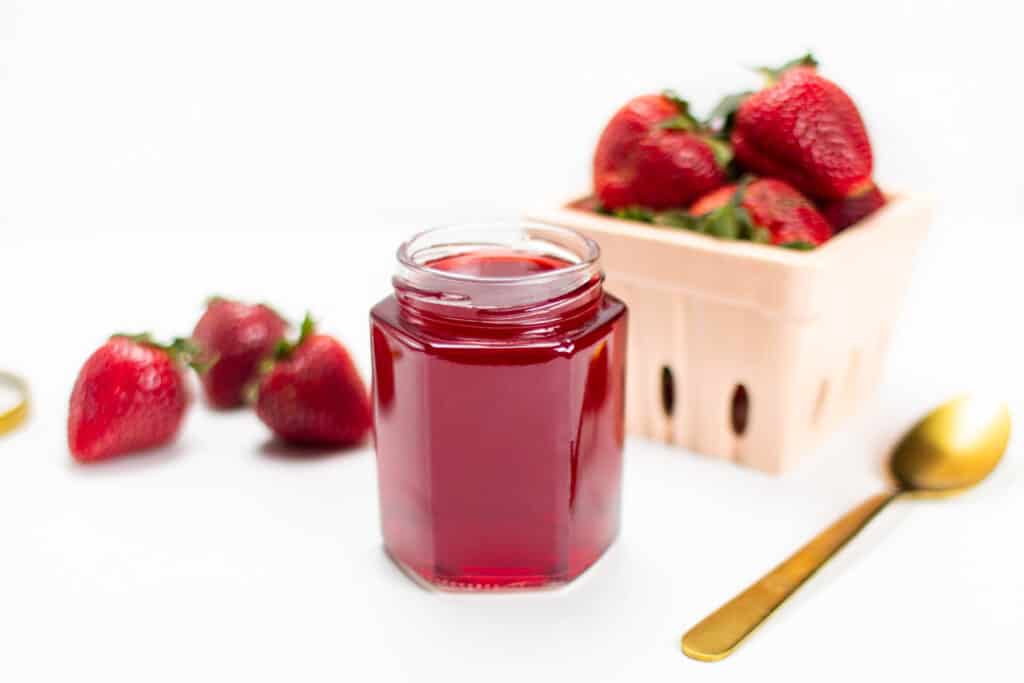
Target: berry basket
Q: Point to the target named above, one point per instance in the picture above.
(749, 352)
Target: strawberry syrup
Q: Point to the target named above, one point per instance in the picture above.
(497, 263)
(499, 431)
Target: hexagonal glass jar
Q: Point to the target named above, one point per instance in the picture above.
(498, 389)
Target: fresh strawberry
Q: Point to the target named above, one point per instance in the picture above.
(234, 337)
(130, 395)
(313, 394)
(842, 213)
(713, 200)
(654, 154)
(789, 218)
(805, 130)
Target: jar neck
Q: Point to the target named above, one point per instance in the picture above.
(534, 303)
(544, 316)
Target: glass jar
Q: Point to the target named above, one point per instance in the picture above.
(498, 380)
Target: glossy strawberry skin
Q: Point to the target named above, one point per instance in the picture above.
(777, 207)
(128, 397)
(234, 337)
(316, 396)
(805, 130)
(639, 163)
(842, 213)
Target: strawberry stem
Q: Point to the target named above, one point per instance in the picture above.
(307, 328)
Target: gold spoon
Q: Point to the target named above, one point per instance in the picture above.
(951, 449)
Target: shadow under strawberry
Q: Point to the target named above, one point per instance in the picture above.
(139, 460)
(278, 449)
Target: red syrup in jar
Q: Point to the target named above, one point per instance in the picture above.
(491, 263)
(498, 411)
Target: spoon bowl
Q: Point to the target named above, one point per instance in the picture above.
(953, 448)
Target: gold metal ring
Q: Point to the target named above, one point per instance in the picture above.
(11, 418)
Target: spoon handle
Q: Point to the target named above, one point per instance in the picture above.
(720, 632)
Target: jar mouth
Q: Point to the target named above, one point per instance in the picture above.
(529, 238)
(529, 296)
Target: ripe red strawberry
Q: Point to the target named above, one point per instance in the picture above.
(130, 395)
(805, 130)
(772, 205)
(654, 154)
(842, 213)
(313, 394)
(234, 337)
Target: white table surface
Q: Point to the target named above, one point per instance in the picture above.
(221, 556)
(152, 155)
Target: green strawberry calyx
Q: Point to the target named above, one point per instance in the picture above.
(683, 120)
(772, 74)
(730, 221)
(687, 122)
(181, 350)
(285, 348)
(282, 352)
(640, 214)
(723, 116)
(720, 148)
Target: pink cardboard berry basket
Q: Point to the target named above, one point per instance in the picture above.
(750, 352)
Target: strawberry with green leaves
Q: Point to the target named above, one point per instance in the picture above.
(131, 395)
(804, 129)
(654, 154)
(762, 210)
(312, 394)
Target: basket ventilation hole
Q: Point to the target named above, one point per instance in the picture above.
(819, 403)
(740, 411)
(668, 390)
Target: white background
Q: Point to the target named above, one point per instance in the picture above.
(153, 153)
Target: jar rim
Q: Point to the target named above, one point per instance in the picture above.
(528, 231)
